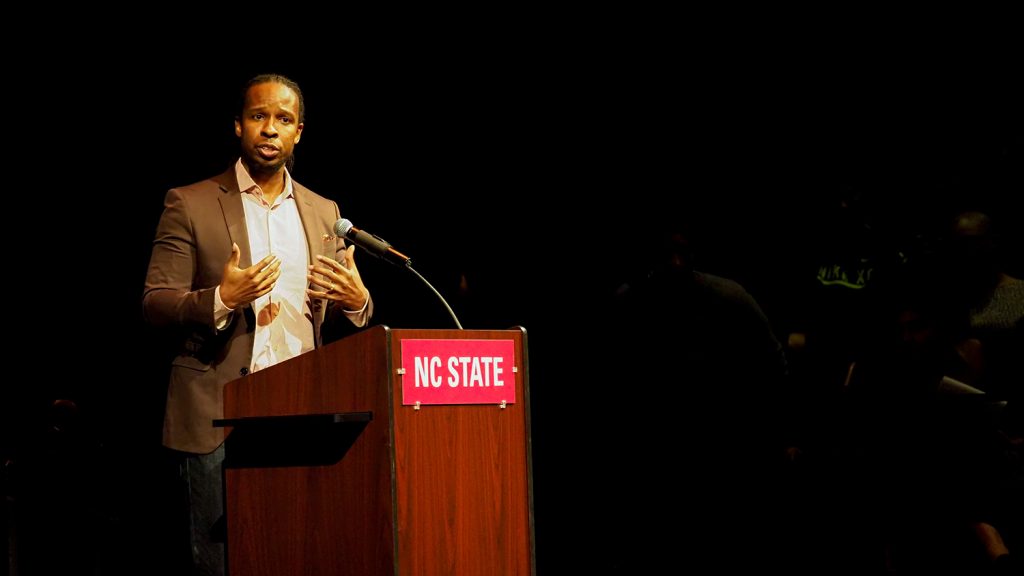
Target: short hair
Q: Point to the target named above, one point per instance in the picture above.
(272, 79)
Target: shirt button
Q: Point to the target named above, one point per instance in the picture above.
(243, 371)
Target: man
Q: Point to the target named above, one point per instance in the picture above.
(698, 354)
(995, 302)
(246, 270)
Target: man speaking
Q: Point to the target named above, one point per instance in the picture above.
(245, 270)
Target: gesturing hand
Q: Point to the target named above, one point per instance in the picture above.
(340, 281)
(242, 286)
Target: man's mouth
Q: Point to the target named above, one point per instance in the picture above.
(267, 151)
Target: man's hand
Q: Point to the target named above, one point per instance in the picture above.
(340, 281)
(240, 287)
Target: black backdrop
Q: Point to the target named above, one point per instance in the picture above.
(534, 175)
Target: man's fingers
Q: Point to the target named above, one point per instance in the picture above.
(322, 270)
(236, 254)
(266, 271)
(332, 273)
(333, 265)
(268, 282)
(262, 265)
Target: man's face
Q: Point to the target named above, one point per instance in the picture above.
(269, 126)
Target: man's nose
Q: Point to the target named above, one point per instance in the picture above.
(267, 129)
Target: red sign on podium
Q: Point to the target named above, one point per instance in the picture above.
(458, 372)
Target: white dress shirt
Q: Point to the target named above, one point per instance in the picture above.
(283, 326)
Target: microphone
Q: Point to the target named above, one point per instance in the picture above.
(371, 243)
(378, 247)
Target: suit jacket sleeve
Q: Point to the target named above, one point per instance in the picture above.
(169, 297)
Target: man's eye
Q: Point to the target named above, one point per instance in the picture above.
(286, 119)
(257, 116)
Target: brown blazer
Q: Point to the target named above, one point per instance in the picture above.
(192, 244)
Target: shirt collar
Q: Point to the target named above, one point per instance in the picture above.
(247, 185)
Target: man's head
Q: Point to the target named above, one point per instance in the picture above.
(270, 122)
(973, 245)
(973, 231)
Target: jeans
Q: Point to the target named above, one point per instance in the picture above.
(201, 488)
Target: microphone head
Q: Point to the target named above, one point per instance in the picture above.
(341, 227)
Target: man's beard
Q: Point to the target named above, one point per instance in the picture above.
(261, 166)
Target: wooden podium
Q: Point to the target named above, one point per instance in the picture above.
(328, 473)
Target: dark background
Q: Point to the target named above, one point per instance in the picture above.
(533, 172)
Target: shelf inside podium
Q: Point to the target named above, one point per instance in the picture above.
(294, 440)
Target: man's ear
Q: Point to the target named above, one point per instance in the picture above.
(238, 126)
(298, 132)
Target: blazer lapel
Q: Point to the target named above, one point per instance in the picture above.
(314, 235)
(317, 242)
(234, 215)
